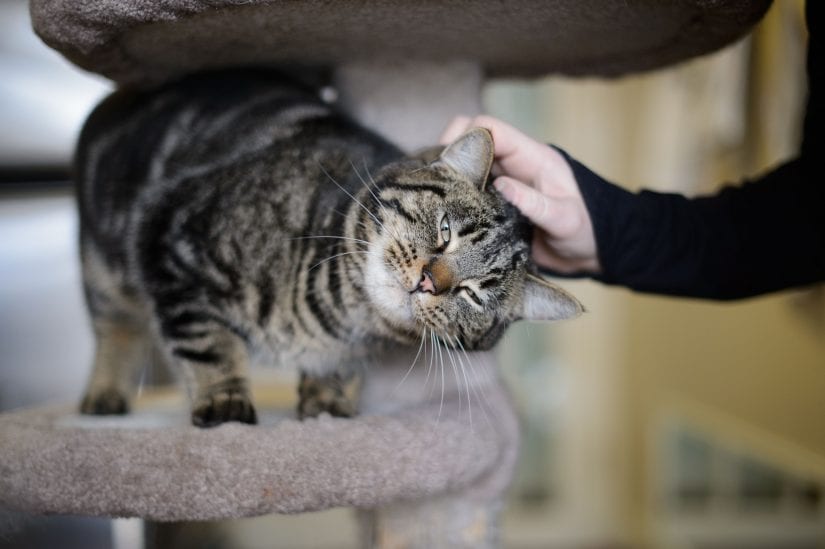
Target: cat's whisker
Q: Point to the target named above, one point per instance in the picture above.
(367, 171)
(368, 229)
(367, 186)
(441, 362)
(339, 255)
(142, 379)
(364, 226)
(430, 367)
(458, 383)
(324, 290)
(410, 369)
(455, 373)
(339, 212)
(377, 189)
(323, 236)
(374, 217)
(378, 201)
(369, 175)
(478, 387)
(466, 381)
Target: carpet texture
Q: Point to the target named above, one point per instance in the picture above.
(152, 464)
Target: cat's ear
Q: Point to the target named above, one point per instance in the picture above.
(471, 156)
(428, 155)
(543, 300)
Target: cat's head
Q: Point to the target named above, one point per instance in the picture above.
(451, 255)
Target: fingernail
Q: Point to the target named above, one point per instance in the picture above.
(500, 184)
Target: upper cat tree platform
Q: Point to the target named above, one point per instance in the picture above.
(139, 41)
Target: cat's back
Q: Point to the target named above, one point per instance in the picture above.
(209, 142)
(230, 165)
(199, 123)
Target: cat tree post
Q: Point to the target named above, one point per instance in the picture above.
(463, 516)
(409, 102)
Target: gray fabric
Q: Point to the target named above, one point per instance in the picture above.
(140, 41)
(154, 465)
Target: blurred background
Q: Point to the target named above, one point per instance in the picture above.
(649, 422)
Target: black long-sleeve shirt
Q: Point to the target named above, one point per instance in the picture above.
(764, 235)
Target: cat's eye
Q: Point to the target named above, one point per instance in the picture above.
(472, 295)
(444, 229)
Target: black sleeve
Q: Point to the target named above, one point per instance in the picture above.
(764, 235)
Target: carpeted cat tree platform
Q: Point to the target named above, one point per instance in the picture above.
(427, 474)
(153, 464)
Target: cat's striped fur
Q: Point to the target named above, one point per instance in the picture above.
(234, 213)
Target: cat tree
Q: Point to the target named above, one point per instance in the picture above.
(424, 476)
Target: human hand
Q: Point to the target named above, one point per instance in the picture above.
(540, 183)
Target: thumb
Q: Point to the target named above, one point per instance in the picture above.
(542, 210)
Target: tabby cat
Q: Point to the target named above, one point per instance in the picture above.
(232, 214)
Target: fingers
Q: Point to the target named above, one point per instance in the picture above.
(455, 128)
(507, 138)
(534, 205)
(517, 154)
(538, 181)
(556, 216)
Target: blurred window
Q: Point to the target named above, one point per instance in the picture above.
(43, 101)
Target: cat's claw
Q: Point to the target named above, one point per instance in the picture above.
(223, 406)
(323, 394)
(104, 403)
(337, 407)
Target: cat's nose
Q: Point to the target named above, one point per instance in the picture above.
(426, 283)
(436, 278)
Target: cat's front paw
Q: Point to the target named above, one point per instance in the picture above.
(222, 405)
(324, 394)
(104, 402)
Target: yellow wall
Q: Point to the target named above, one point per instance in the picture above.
(753, 372)
(751, 375)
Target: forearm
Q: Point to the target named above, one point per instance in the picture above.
(762, 236)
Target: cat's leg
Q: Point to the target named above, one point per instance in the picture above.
(120, 353)
(121, 335)
(336, 393)
(213, 360)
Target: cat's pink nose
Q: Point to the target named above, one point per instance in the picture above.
(426, 283)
